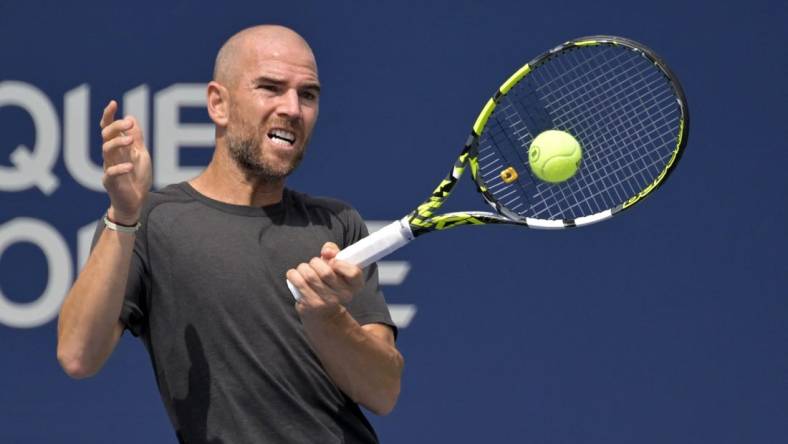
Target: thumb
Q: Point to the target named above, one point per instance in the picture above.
(329, 251)
(136, 130)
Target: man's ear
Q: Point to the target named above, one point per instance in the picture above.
(218, 103)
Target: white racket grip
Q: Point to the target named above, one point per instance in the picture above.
(372, 248)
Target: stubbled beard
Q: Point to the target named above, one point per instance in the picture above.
(246, 152)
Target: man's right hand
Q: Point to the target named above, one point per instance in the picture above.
(127, 166)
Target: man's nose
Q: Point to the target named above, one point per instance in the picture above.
(290, 104)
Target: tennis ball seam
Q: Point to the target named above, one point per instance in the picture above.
(563, 158)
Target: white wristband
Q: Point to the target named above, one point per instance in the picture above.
(121, 228)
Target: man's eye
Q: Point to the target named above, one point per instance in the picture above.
(309, 95)
(271, 88)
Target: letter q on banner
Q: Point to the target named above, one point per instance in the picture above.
(54, 247)
(32, 167)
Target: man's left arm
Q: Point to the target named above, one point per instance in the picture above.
(362, 360)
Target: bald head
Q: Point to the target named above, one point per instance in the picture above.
(245, 45)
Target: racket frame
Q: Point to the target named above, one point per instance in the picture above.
(423, 220)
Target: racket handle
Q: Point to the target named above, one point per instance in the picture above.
(372, 248)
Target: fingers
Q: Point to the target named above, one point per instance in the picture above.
(111, 128)
(116, 128)
(316, 299)
(119, 135)
(345, 269)
(325, 273)
(319, 276)
(127, 167)
(116, 151)
(295, 278)
(112, 145)
(322, 290)
(109, 114)
(119, 169)
(352, 274)
(134, 130)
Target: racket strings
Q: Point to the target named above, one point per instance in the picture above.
(494, 162)
(619, 163)
(627, 127)
(518, 128)
(510, 130)
(562, 74)
(614, 101)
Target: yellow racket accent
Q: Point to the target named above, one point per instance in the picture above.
(662, 174)
(482, 119)
(453, 220)
(508, 84)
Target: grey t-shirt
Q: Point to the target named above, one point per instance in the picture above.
(207, 295)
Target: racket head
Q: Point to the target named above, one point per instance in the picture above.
(620, 101)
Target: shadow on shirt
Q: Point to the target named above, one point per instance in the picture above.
(193, 410)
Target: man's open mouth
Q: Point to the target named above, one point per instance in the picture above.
(282, 137)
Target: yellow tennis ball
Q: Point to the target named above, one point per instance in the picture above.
(554, 156)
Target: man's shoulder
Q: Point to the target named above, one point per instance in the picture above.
(322, 210)
(175, 193)
(324, 203)
(172, 191)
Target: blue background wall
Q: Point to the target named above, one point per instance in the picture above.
(668, 324)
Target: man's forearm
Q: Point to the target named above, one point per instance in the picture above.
(362, 361)
(88, 323)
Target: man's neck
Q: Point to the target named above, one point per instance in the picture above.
(224, 181)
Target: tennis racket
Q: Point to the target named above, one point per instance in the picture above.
(619, 101)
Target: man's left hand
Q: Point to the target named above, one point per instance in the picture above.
(325, 283)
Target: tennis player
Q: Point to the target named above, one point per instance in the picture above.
(197, 270)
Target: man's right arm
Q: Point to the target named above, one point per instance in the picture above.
(89, 326)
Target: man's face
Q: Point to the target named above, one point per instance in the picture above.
(273, 108)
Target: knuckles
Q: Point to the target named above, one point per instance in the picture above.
(307, 273)
(314, 262)
(354, 274)
(321, 269)
(349, 272)
(118, 126)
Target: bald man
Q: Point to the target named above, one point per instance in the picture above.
(197, 270)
